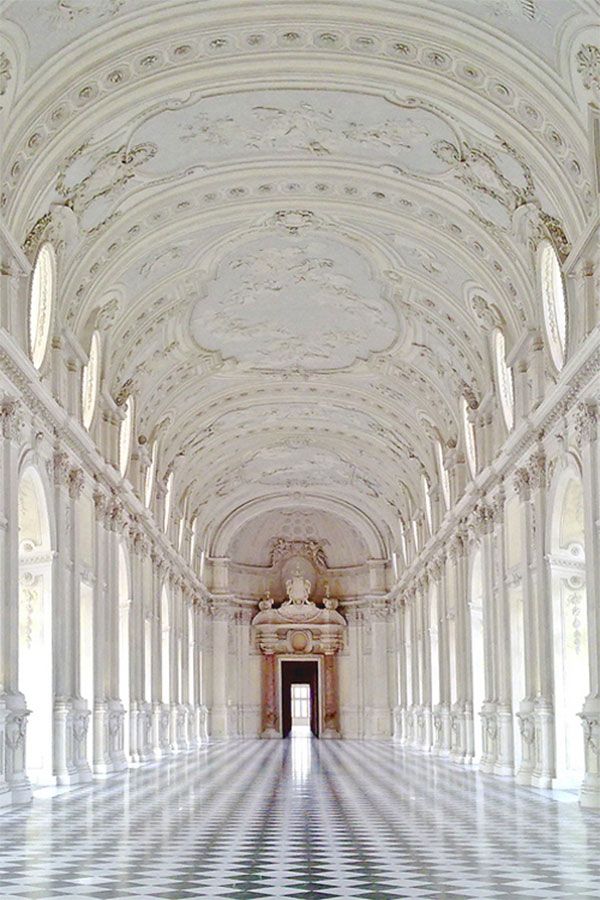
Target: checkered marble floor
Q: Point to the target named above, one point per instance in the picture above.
(299, 818)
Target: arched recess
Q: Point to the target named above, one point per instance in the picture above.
(35, 624)
(124, 642)
(569, 621)
(477, 649)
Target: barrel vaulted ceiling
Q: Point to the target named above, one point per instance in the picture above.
(295, 225)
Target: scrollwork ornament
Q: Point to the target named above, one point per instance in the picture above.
(591, 732)
(16, 729)
(588, 66)
(526, 727)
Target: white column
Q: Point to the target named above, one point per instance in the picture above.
(14, 784)
(589, 443)
(485, 522)
(504, 759)
(444, 644)
(426, 738)
(70, 711)
(102, 643)
(536, 711)
(160, 710)
(462, 709)
(525, 714)
(379, 718)
(221, 617)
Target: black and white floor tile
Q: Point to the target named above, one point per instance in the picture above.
(299, 818)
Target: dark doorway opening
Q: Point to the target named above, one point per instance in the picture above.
(299, 672)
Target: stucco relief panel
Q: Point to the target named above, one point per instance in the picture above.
(286, 301)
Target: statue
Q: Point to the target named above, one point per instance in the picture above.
(298, 589)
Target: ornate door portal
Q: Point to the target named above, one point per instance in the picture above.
(299, 672)
(296, 629)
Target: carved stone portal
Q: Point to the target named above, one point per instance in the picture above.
(299, 627)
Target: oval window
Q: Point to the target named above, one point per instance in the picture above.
(554, 303)
(504, 380)
(41, 303)
(89, 381)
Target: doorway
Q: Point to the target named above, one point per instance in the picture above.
(300, 695)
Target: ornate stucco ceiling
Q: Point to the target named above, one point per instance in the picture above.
(295, 226)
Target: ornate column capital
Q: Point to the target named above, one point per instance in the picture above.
(76, 482)
(59, 468)
(586, 423)
(521, 483)
(116, 515)
(483, 518)
(537, 469)
(11, 421)
(498, 502)
(457, 547)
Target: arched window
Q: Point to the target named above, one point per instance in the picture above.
(151, 473)
(40, 303)
(504, 380)
(415, 531)
(427, 499)
(469, 432)
(443, 472)
(554, 302)
(168, 495)
(193, 540)
(125, 435)
(89, 381)
(403, 544)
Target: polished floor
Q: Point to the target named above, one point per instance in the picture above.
(299, 818)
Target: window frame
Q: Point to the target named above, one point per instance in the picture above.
(555, 312)
(90, 381)
(505, 382)
(38, 348)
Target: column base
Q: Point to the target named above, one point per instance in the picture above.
(270, 733)
(590, 719)
(589, 796)
(331, 734)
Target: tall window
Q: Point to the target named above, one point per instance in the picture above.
(415, 531)
(151, 473)
(443, 473)
(427, 499)
(469, 432)
(41, 302)
(89, 381)
(403, 544)
(125, 435)
(504, 380)
(168, 495)
(193, 540)
(554, 302)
